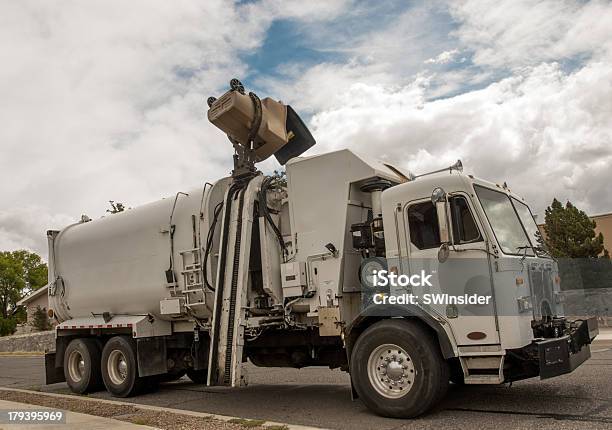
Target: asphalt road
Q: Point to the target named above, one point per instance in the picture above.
(320, 397)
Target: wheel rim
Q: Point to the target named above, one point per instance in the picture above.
(117, 367)
(76, 366)
(391, 371)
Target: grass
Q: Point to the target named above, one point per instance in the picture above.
(247, 423)
(140, 421)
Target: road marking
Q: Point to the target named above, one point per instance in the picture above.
(602, 350)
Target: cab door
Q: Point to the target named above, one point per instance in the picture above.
(466, 271)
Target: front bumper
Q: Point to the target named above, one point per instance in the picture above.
(564, 354)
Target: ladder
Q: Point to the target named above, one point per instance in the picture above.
(193, 278)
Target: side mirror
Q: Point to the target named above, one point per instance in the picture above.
(438, 198)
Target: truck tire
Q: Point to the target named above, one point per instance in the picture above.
(397, 369)
(120, 368)
(82, 366)
(198, 376)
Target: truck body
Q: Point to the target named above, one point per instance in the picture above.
(277, 271)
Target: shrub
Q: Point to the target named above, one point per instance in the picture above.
(7, 326)
(40, 321)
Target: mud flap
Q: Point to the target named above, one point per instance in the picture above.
(151, 353)
(53, 374)
(354, 395)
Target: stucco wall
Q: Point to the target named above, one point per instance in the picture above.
(41, 301)
(604, 225)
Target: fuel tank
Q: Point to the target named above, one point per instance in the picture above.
(126, 263)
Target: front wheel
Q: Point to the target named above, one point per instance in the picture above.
(397, 369)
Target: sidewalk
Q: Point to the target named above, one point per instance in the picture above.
(605, 333)
(74, 420)
(95, 413)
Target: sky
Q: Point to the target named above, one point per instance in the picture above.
(105, 100)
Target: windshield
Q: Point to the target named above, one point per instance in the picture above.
(528, 222)
(504, 221)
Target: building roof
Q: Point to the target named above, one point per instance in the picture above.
(33, 295)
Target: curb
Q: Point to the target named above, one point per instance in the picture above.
(160, 409)
(21, 354)
(76, 416)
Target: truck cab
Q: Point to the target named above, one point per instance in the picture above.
(488, 251)
(479, 239)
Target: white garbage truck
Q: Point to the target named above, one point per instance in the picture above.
(286, 271)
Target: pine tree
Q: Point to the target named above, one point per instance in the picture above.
(571, 240)
(40, 321)
(570, 233)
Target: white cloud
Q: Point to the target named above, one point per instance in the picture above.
(106, 100)
(546, 132)
(444, 57)
(542, 126)
(516, 33)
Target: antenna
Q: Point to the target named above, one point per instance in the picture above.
(458, 166)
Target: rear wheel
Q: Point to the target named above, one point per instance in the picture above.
(120, 368)
(82, 366)
(397, 369)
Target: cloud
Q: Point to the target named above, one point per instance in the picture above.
(530, 98)
(546, 132)
(443, 58)
(517, 33)
(106, 101)
(25, 227)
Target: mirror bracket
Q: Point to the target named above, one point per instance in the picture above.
(439, 198)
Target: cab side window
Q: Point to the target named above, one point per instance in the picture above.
(424, 229)
(464, 226)
(423, 223)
